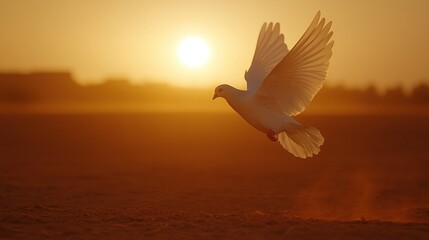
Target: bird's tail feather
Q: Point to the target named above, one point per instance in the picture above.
(302, 141)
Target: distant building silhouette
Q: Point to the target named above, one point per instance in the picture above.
(38, 86)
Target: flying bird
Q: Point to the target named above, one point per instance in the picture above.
(281, 83)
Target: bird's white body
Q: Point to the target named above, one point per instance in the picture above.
(281, 83)
(259, 115)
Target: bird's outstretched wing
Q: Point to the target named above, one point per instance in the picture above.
(296, 79)
(270, 50)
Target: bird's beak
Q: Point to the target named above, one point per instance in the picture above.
(214, 96)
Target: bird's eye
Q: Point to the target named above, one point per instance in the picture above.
(220, 89)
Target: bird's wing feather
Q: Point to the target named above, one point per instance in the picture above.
(296, 79)
(270, 50)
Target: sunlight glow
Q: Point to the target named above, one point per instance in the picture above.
(193, 52)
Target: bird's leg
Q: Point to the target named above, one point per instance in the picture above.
(272, 136)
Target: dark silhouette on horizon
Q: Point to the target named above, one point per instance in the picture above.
(61, 88)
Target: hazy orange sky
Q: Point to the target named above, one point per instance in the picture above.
(380, 41)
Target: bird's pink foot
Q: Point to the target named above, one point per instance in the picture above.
(272, 136)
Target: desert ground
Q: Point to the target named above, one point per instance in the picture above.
(210, 176)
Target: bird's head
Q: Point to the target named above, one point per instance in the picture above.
(223, 90)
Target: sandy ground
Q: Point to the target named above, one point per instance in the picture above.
(210, 176)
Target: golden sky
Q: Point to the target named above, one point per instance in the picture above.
(380, 41)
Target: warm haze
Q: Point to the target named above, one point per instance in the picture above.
(381, 42)
(112, 159)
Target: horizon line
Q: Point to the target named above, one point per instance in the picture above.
(165, 82)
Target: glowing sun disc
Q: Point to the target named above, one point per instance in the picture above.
(193, 52)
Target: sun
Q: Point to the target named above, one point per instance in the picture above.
(193, 52)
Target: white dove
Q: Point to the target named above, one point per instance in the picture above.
(281, 83)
